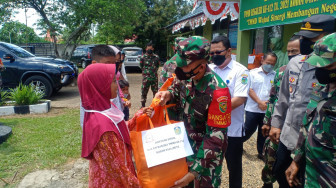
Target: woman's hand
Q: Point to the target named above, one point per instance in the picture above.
(148, 111)
(185, 180)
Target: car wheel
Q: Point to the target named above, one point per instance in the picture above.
(84, 64)
(41, 84)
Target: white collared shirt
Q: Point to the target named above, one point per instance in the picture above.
(261, 84)
(236, 76)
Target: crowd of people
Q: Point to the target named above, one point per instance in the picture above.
(291, 102)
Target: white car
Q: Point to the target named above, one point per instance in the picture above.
(132, 56)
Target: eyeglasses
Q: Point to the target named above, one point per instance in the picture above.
(217, 52)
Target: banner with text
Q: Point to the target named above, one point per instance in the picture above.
(165, 144)
(265, 13)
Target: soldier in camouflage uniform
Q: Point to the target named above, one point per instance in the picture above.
(207, 112)
(270, 148)
(169, 67)
(168, 70)
(317, 140)
(149, 64)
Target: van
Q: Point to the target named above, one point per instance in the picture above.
(132, 56)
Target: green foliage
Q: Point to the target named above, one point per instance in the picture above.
(25, 95)
(159, 14)
(39, 142)
(18, 33)
(4, 96)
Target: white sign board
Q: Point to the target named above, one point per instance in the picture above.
(165, 144)
(251, 59)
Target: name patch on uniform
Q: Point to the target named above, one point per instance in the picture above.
(291, 79)
(294, 73)
(219, 114)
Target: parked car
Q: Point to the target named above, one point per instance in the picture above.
(132, 56)
(82, 55)
(48, 75)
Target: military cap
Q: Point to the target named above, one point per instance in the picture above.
(192, 49)
(324, 51)
(316, 25)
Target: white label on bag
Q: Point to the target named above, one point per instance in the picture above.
(165, 144)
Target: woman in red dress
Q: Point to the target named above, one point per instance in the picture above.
(106, 141)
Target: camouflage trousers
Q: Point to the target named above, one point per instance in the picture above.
(269, 151)
(146, 83)
(210, 178)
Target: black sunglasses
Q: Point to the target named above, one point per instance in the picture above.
(217, 53)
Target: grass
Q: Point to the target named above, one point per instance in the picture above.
(39, 143)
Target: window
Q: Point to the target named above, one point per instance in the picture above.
(20, 52)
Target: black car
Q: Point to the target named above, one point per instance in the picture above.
(49, 75)
(82, 55)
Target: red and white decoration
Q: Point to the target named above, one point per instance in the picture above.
(211, 9)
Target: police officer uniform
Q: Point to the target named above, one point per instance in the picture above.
(297, 84)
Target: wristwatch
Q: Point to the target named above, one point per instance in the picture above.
(197, 175)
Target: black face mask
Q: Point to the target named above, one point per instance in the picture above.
(290, 57)
(181, 75)
(149, 51)
(306, 46)
(218, 59)
(325, 76)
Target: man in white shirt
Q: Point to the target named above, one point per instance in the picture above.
(261, 81)
(236, 76)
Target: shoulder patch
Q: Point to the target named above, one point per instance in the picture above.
(219, 114)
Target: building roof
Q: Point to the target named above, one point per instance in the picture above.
(196, 12)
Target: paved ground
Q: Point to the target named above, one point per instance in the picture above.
(75, 174)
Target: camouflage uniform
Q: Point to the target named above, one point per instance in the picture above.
(317, 140)
(149, 65)
(270, 148)
(169, 67)
(175, 112)
(208, 142)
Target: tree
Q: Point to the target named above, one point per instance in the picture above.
(74, 17)
(159, 14)
(18, 33)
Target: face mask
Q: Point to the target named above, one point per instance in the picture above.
(218, 59)
(290, 57)
(185, 75)
(325, 76)
(306, 46)
(149, 51)
(267, 67)
(125, 95)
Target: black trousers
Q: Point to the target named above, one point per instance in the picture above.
(233, 156)
(283, 161)
(252, 121)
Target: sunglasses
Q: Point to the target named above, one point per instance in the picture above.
(217, 52)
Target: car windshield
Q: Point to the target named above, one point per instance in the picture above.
(17, 50)
(132, 52)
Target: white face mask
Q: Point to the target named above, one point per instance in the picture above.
(125, 95)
